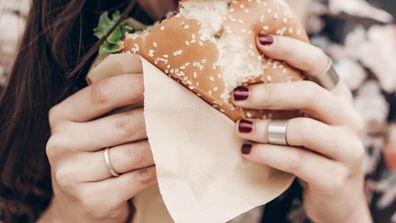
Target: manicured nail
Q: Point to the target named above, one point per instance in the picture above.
(241, 93)
(265, 39)
(245, 126)
(246, 149)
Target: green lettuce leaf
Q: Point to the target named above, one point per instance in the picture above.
(113, 43)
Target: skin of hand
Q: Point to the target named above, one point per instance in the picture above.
(81, 127)
(325, 151)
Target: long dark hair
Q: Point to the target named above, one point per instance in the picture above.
(56, 50)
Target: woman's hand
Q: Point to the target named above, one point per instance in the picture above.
(84, 190)
(325, 151)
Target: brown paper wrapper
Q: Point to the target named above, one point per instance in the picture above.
(202, 176)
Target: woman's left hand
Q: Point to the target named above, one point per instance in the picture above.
(325, 150)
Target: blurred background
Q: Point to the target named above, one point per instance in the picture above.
(360, 35)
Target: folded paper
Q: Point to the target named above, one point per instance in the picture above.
(201, 174)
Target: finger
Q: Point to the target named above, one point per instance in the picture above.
(314, 169)
(332, 142)
(109, 131)
(100, 98)
(301, 55)
(305, 96)
(124, 158)
(116, 191)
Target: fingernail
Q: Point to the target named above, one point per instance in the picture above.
(245, 126)
(246, 149)
(265, 39)
(241, 93)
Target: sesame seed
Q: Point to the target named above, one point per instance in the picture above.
(155, 44)
(162, 28)
(178, 53)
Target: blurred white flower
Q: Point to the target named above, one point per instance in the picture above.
(359, 8)
(372, 106)
(376, 49)
(378, 54)
(350, 72)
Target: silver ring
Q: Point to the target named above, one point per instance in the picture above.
(109, 166)
(277, 130)
(328, 78)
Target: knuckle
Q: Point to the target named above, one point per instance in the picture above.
(125, 125)
(88, 204)
(55, 116)
(145, 176)
(55, 145)
(355, 147)
(359, 152)
(99, 92)
(65, 179)
(262, 94)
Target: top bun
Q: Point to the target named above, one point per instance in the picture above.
(209, 46)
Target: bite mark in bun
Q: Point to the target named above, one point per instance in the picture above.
(209, 47)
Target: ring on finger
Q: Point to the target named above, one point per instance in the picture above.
(109, 166)
(277, 132)
(328, 78)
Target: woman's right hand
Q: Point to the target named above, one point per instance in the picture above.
(84, 190)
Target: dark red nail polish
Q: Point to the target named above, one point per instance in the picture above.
(245, 126)
(265, 39)
(246, 149)
(241, 93)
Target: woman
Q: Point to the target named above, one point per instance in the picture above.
(48, 111)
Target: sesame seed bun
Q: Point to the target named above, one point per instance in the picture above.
(209, 47)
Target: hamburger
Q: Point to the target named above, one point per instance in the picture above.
(209, 46)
